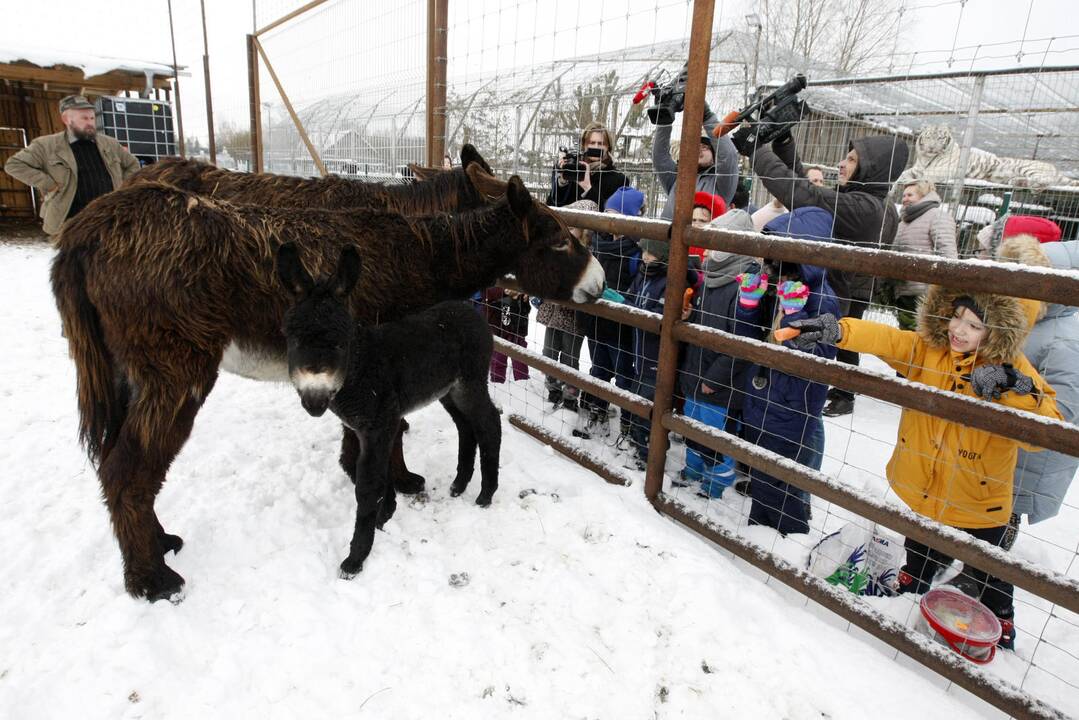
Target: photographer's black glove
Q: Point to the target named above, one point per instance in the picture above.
(823, 329)
(989, 382)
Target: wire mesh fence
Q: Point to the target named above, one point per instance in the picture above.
(530, 84)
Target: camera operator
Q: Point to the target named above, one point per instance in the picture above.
(588, 173)
(863, 216)
(717, 163)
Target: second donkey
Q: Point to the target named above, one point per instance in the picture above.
(370, 377)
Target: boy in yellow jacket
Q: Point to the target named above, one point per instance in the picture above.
(968, 343)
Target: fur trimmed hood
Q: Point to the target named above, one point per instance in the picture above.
(1026, 250)
(1008, 321)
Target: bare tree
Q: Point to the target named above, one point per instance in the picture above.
(845, 36)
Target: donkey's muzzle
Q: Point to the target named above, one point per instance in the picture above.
(316, 402)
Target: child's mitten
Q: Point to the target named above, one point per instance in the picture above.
(822, 329)
(751, 288)
(793, 295)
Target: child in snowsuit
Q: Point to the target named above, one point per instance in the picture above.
(610, 344)
(781, 412)
(647, 293)
(971, 344)
(711, 381)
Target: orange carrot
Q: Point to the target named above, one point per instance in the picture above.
(784, 334)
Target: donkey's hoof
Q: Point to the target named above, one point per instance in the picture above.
(484, 500)
(166, 584)
(350, 568)
(170, 542)
(457, 488)
(409, 484)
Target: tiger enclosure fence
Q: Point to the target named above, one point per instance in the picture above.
(365, 89)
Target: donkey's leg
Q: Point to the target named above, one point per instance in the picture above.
(131, 477)
(372, 485)
(404, 481)
(388, 506)
(350, 452)
(487, 425)
(167, 541)
(466, 445)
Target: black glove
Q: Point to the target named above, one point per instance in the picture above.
(822, 329)
(990, 381)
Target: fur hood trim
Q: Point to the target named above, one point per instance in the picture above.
(1026, 250)
(1008, 321)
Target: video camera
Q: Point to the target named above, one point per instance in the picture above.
(570, 166)
(668, 99)
(775, 114)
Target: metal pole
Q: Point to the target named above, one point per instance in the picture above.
(700, 43)
(437, 14)
(267, 148)
(574, 453)
(254, 105)
(756, 56)
(968, 140)
(176, 87)
(209, 95)
(517, 145)
(291, 111)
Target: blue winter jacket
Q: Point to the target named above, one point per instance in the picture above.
(647, 293)
(1042, 478)
(777, 413)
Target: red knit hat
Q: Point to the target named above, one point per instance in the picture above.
(712, 203)
(1042, 228)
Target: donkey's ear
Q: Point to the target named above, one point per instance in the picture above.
(519, 197)
(348, 272)
(470, 155)
(486, 183)
(291, 271)
(422, 173)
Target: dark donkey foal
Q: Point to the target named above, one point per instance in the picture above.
(370, 377)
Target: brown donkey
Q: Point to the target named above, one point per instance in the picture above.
(435, 191)
(155, 286)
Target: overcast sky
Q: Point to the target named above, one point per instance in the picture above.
(348, 44)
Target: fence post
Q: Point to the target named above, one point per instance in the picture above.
(968, 140)
(700, 45)
(255, 104)
(437, 27)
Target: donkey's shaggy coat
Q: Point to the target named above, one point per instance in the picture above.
(434, 191)
(154, 283)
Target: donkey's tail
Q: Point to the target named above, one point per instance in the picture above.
(102, 405)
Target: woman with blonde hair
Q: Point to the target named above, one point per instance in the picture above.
(924, 228)
(592, 176)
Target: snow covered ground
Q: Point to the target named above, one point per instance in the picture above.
(573, 601)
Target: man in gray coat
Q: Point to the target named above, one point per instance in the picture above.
(1042, 478)
(73, 166)
(717, 163)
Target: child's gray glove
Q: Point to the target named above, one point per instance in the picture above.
(822, 329)
(989, 381)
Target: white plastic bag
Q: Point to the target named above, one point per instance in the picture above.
(865, 560)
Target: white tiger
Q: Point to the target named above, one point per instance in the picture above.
(938, 160)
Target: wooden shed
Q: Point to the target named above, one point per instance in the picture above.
(31, 85)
